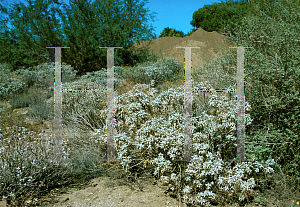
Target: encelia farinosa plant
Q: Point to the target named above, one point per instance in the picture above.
(151, 128)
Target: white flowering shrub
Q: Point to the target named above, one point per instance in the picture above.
(151, 127)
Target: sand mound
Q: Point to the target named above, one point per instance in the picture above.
(211, 46)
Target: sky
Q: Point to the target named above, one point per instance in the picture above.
(175, 14)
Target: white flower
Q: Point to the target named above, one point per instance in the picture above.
(187, 189)
(173, 177)
(241, 197)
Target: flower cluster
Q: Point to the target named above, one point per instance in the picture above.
(151, 127)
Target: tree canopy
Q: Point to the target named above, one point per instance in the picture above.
(86, 26)
(168, 32)
(214, 17)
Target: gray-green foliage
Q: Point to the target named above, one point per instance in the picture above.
(39, 76)
(165, 69)
(43, 75)
(8, 81)
(100, 77)
(272, 77)
(25, 88)
(159, 72)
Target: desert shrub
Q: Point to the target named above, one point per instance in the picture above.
(22, 80)
(83, 163)
(278, 144)
(25, 162)
(272, 78)
(8, 81)
(221, 72)
(128, 128)
(151, 128)
(166, 69)
(100, 77)
(43, 75)
(36, 100)
(77, 106)
(21, 100)
(89, 102)
(27, 171)
(39, 108)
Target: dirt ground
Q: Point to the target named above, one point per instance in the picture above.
(103, 191)
(210, 44)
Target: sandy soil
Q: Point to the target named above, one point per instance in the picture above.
(103, 191)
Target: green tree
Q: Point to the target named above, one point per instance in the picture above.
(86, 27)
(5, 41)
(168, 32)
(109, 23)
(3, 20)
(268, 6)
(214, 17)
(34, 29)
